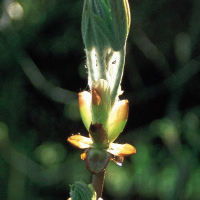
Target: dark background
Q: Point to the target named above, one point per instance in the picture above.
(42, 69)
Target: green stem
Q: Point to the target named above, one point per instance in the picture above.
(98, 182)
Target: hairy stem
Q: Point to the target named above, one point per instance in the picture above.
(98, 182)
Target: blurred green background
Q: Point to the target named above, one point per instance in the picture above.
(42, 68)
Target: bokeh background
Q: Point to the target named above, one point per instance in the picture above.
(42, 68)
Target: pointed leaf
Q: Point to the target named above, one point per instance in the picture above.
(121, 149)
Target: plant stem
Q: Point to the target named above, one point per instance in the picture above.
(98, 182)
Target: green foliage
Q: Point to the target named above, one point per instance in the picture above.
(82, 191)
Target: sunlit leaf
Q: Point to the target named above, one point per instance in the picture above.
(117, 119)
(121, 149)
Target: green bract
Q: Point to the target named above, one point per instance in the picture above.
(106, 126)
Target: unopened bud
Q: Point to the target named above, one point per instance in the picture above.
(105, 23)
